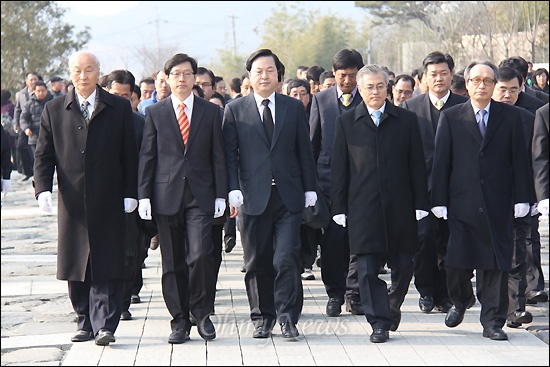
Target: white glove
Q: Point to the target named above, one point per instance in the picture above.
(236, 198)
(521, 210)
(219, 207)
(45, 201)
(6, 185)
(144, 209)
(311, 198)
(534, 210)
(543, 207)
(340, 219)
(130, 204)
(440, 211)
(421, 214)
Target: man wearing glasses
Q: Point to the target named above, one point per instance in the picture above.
(379, 191)
(480, 183)
(402, 89)
(433, 233)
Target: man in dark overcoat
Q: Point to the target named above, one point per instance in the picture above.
(379, 190)
(480, 182)
(87, 139)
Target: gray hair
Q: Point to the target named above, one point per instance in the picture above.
(372, 70)
(77, 54)
(474, 63)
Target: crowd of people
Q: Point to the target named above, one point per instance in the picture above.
(434, 174)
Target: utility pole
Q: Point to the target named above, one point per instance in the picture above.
(234, 37)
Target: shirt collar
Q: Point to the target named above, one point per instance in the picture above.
(259, 99)
(486, 109)
(433, 98)
(188, 102)
(353, 92)
(381, 109)
(90, 99)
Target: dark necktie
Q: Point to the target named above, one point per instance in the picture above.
(268, 120)
(85, 112)
(481, 121)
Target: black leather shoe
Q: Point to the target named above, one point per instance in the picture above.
(379, 336)
(104, 337)
(206, 329)
(125, 315)
(230, 243)
(396, 319)
(82, 336)
(135, 299)
(495, 333)
(517, 318)
(533, 297)
(289, 331)
(334, 307)
(178, 336)
(444, 307)
(426, 304)
(454, 317)
(355, 307)
(261, 332)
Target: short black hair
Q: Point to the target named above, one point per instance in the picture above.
(218, 96)
(177, 59)
(458, 82)
(437, 57)
(199, 90)
(518, 63)
(147, 80)
(295, 83)
(201, 70)
(121, 77)
(265, 52)
(41, 83)
(137, 90)
(346, 59)
(314, 72)
(327, 74)
(235, 85)
(405, 77)
(506, 73)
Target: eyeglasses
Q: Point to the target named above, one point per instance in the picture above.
(379, 87)
(178, 74)
(405, 92)
(487, 81)
(205, 84)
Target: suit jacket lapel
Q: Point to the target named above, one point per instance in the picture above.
(495, 112)
(100, 102)
(468, 118)
(280, 117)
(195, 120)
(255, 117)
(171, 121)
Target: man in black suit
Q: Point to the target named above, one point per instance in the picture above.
(380, 191)
(528, 98)
(429, 275)
(541, 159)
(480, 200)
(80, 134)
(183, 184)
(338, 270)
(271, 176)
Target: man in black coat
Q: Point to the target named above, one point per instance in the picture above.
(271, 178)
(80, 133)
(380, 191)
(183, 184)
(429, 276)
(480, 182)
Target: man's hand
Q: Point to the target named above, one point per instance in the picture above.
(421, 214)
(45, 201)
(543, 207)
(130, 204)
(521, 210)
(340, 219)
(311, 198)
(236, 198)
(233, 212)
(219, 207)
(144, 209)
(6, 185)
(440, 211)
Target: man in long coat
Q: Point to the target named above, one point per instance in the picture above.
(380, 190)
(480, 182)
(94, 153)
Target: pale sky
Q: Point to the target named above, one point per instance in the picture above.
(198, 28)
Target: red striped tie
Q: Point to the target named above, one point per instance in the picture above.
(184, 123)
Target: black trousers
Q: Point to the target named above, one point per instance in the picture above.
(517, 281)
(230, 228)
(98, 304)
(310, 238)
(491, 291)
(535, 276)
(272, 259)
(188, 273)
(429, 273)
(378, 302)
(24, 152)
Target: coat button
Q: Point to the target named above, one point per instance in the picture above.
(481, 210)
(482, 182)
(185, 178)
(79, 127)
(82, 151)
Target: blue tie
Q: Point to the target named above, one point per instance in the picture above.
(376, 117)
(481, 121)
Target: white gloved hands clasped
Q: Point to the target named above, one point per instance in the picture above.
(144, 209)
(521, 210)
(130, 204)
(6, 185)
(236, 198)
(340, 219)
(440, 211)
(45, 201)
(543, 207)
(421, 214)
(219, 207)
(311, 198)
